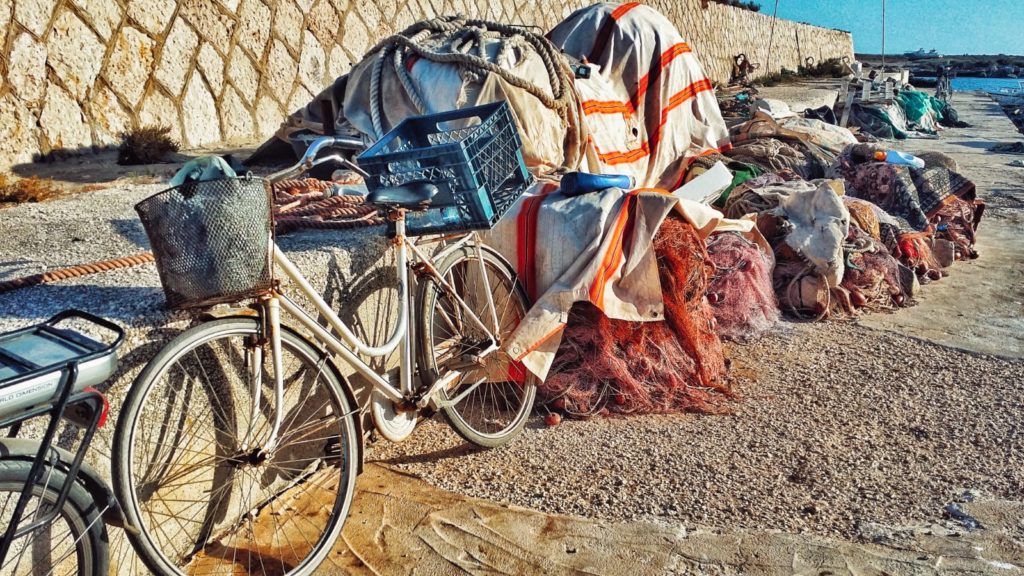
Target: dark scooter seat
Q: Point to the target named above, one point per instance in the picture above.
(412, 195)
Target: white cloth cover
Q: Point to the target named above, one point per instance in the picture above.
(648, 106)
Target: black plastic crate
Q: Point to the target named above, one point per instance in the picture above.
(473, 155)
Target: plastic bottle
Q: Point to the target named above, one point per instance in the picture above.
(576, 183)
(897, 157)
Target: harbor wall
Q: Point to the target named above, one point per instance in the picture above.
(74, 74)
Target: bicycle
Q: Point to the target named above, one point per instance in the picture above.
(208, 462)
(48, 370)
(944, 89)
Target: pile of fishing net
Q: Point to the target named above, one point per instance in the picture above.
(872, 278)
(741, 292)
(606, 366)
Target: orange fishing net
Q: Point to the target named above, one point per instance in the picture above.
(606, 366)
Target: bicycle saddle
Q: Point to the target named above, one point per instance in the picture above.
(411, 195)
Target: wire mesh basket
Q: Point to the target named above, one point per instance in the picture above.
(211, 240)
(473, 155)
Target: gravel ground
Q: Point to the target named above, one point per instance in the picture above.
(840, 426)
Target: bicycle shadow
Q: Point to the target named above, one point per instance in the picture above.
(368, 303)
(460, 451)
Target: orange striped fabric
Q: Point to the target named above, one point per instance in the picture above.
(630, 106)
(678, 99)
(526, 239)
(533, 347)
(613, 258)
(605, 32)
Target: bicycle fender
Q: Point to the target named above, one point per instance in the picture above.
(98, 488)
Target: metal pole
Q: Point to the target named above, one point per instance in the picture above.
(771, 37)
(883, 36)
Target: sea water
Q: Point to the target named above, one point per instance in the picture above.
(987, 84)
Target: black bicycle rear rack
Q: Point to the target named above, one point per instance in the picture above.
(90, 399)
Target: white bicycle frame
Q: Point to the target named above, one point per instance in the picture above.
(349, 347)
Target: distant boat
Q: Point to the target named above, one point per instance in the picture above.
(1009, 96)
(921, 55)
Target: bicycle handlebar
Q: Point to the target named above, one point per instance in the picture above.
(308, 159)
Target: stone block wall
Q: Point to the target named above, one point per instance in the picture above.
(75, 73)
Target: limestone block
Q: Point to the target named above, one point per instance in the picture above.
(304, 5)
(268, 116)
(207, 18)
(34, 14)
(75, 53)
(492, 11)
(243, 75)
(130, 64)
(300, 97)
(387, 9)
(62, 121)
(402, 20)
(153, 15)
(231, 5)
(354, 36)
(104, 15)
(463, 7)
(27, 68)
(18, 132)
(323, 22)
(212, 67)
(235, 117)
(5, 22)
(109, 119)
(159, 110)
(337, 63)
(199, 114)
(312, 63)
(279, 72)
(372, 18)
(176, 58)
(253, 27)
(288, 23)
(341, 6)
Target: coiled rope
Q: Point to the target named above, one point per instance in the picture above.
(76, 271)
(457, 39)
(299, 204)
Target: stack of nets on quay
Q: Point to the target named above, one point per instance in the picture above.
(635, 289)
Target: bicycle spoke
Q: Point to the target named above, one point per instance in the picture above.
(214, 505)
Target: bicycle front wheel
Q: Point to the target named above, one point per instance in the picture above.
(75, 543)
(493, 394)
(190, 464)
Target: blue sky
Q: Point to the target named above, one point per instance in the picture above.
(950, 26)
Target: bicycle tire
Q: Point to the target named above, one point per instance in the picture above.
(84, 525)
(229, 520)
(499, 419)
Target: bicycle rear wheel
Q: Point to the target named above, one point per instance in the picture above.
(75, 543)
(189, 466)
(495, 393)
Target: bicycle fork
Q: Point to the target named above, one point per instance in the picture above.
(270, 312)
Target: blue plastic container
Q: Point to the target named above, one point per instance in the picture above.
(473, 155)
